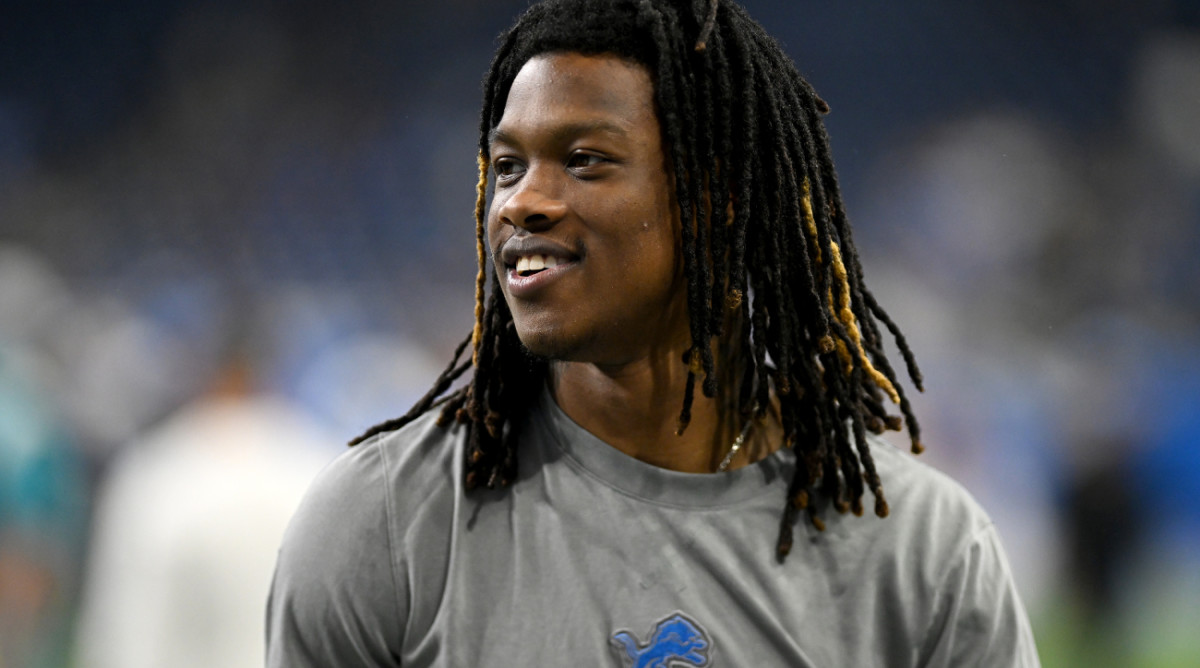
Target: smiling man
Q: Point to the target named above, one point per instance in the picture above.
(582, 224)
(663, 448)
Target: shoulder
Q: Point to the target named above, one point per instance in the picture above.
(931, 517)
(357, 495)
(947, 542)
(923, 500)
(339, 588)
(413, 458)
(932, 523)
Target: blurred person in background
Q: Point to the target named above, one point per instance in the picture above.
(677, 365)
(188, 521)
(43, 507)
(43, 472)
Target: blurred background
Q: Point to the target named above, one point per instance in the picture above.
(234, 234)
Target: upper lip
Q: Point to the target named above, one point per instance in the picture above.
(525, 246)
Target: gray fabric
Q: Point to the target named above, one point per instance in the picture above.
(591, 556)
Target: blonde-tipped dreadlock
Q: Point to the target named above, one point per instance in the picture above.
(848, 320)
(481, 251)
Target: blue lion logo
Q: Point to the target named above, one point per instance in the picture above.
(675, 641)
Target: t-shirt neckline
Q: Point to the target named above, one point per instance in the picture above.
(653, 484)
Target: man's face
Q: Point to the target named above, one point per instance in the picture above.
(582, 189)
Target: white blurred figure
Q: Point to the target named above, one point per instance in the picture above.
(187, 528)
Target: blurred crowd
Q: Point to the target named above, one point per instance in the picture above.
(234, 235)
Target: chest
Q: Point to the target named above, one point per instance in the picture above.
(603, 579)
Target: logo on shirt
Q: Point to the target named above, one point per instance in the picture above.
(674, 642)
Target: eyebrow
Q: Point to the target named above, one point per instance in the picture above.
(564, 131)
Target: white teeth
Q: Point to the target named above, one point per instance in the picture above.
(530, 263)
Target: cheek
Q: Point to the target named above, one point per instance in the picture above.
(493, 230)
(662, 232)
(654, 252)
(490, 219)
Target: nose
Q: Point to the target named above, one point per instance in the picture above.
(533, 203)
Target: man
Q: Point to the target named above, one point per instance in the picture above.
(665, 215)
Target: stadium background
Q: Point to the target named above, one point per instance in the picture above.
(256, 217)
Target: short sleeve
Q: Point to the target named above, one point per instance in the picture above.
(335, 600)
(979, 619)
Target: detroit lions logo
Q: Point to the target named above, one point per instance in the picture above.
(675, 641)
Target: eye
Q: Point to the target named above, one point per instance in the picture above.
(580, 160)
(507, 168)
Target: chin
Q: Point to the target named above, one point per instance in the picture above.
(547, 346)
(553, 343)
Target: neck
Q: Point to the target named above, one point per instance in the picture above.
(635, 408)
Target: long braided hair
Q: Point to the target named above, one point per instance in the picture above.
(770, 264)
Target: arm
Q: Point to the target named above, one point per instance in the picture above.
(979, 619)
(335, 599)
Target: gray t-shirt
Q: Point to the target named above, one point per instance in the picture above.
(593, 558)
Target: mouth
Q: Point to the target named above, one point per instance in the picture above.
(528, 265)
(527, 258)
(528, 273)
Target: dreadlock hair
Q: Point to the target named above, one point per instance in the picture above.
(769, 260)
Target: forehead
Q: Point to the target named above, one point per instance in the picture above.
(605, 91)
